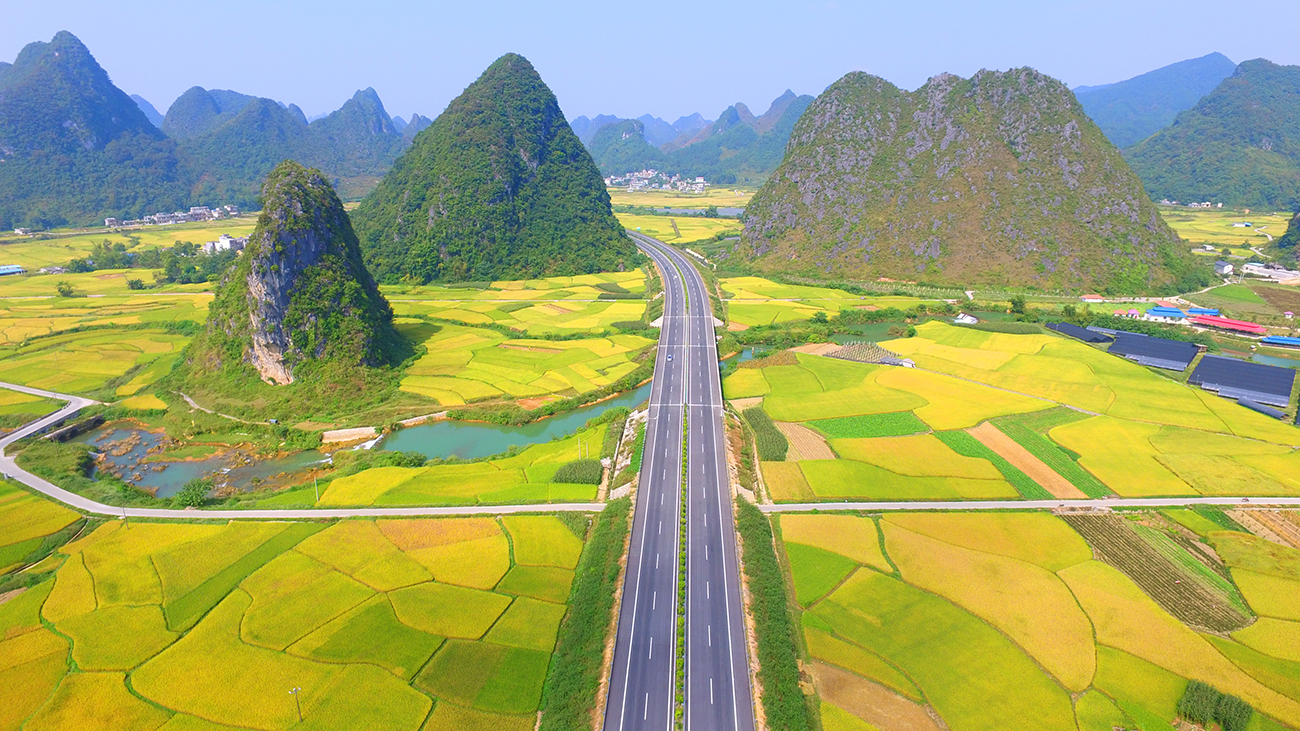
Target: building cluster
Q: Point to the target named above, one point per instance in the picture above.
(196, 214)
(1203, 204)
(225, 243)
(654, 180)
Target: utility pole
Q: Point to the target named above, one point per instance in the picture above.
(297, 703)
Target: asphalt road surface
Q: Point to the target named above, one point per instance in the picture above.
(717, 676)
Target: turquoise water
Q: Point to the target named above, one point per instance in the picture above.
(470, 440)
(1275, 361)
(166, 478)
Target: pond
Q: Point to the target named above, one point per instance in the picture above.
(470, 440)
(127, 450)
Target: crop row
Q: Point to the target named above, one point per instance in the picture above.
(968, 446)
(1177, 591)
(772, 444)
(893, 424)
(1192, 565)
(1053, 456)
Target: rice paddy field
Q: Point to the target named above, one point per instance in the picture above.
(390, 624)
(720, 197)
(526, 477)
(1065, 629)
(1214, 226)
(754, 301)
(58, 248)
(679, 229)
(1051, 417)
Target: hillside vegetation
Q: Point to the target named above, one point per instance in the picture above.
(498, 187)
(998, 179)
(1240, 145)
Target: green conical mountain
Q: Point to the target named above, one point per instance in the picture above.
(1239, 146)
(498, 187)
(298, 307)
(998, 179)
(73, 147)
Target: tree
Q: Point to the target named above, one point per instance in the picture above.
(194, 493)
(65, 289)
(820, 318)
(711, 212)
(1017, 305)
(135, 284)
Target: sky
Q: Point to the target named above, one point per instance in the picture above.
(665, 57)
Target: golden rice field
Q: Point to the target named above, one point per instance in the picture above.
(754, 301)
(1214, 226)
(526, 477)
(57, 249)
(688, 229)
(1131, 432)
(723, 197)
(375, 623)
(907, 627)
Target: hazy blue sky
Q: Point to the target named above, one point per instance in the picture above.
(660, 56)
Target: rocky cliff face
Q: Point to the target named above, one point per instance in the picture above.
(299, 297)
(998, 179)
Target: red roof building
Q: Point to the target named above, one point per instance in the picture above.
(1224, 323)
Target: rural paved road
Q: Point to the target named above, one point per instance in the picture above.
(717, 665)
(1146, 502)
(86, 505)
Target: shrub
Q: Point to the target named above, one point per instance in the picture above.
(581, 472)
(65, 289)
(772, 444)
(1203, 703)
(193, 494)
(135, 284)
(1233, 713)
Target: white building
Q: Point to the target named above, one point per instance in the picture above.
(1222, 269)
(225, 243)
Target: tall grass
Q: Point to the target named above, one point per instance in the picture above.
(772, 444)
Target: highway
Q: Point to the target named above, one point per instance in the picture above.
(717, 668)
(641, 680)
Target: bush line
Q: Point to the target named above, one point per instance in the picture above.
(573, 680)
(784, 703)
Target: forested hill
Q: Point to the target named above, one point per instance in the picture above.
(73, 147)
(998, 179)
(498, 187)
(737, 147)
(232, 141)
(1240, 145)
(1130, 111)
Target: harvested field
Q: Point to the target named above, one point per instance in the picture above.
(1027, 463)
(873, 703)
(804, 442)
(1184, 595)
(816, 348)
(1279, 526)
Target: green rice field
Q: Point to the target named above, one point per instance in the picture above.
(757, 301)
(375, 623)
(57, 248)
(1048, 638)
(1103, 424)
(523, 478)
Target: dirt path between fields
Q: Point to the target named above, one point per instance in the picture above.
(804, 442)
(1027, 463)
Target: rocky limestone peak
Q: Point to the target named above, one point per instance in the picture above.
(299, 294)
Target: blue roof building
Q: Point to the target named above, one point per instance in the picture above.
(11, 269)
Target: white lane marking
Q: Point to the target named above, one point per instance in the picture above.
(661, 527)
(708, 594)
(710, 635)
(647, 707)
(710, 691)
(656, 562)
(654, 601)
(706, 552)
(651, 655)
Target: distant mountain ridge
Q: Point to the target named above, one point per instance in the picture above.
(999, 179)
(1240, 145)
(1130, 111)
(498, 187)
(738, 146)
(74, 147)
(77, 149)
